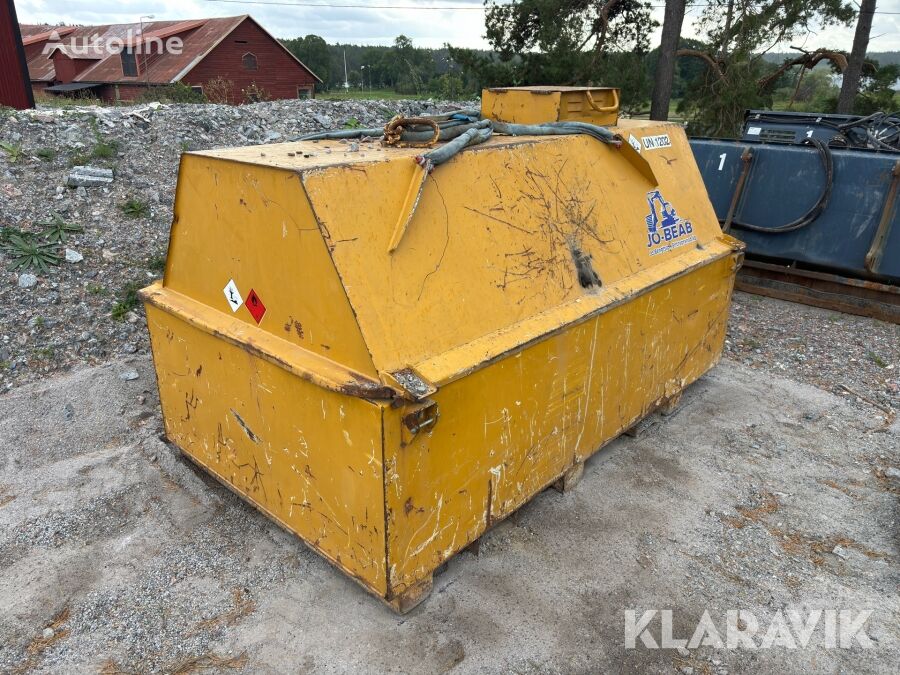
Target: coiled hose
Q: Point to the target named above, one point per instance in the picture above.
(817, 208)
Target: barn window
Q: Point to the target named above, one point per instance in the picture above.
(129, 63)
(249, 61)
(302, 92)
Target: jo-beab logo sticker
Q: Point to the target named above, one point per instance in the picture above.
(665, 229)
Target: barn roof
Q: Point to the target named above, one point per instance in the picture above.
(199, 38)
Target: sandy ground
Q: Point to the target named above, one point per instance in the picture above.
(759, 494)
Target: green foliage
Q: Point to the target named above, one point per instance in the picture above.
(399, 71)
(157, 264)
(135, 208)
(806, 90)
(451, 87)
(103, 149)
(352, 123)
(79, 158)
(735, 72)
(128, 301)
(56, 230)
(219, 90)
(564, 42)
(315, 54)
(255, 94)
(28, 252)
(769, 23)
(13, 152)
(714, 105)
(877, 91)
(46, 154)
(177, 92)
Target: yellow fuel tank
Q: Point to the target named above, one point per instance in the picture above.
(389, 405)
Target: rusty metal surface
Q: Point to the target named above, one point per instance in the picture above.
(821, 289)
(160, 69)
(199, 38)
(876, 251)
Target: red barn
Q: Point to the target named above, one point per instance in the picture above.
(232, 58)
(14, 89)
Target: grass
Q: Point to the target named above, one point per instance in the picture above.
(66, 102)
(128, 300)
(79, 158)
(28, 252)
(13, 152)
(105, 150)
(57, 231)
(46, 154)
(95, 289)
(364, 94)
(157, 264)
(876, 359)
(135, 208)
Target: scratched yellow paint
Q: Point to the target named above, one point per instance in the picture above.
(308, 457)
(255, 226)
(306, 414)
(510, 429)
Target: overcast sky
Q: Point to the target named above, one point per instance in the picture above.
(459, 22)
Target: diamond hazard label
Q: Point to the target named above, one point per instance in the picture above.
(233, 295)
(256, 306)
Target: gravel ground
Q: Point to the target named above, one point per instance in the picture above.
(759, 494)
(851, 356)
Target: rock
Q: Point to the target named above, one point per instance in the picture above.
(73, 256)
(69, 412)
(48, 633)
(89, 176)
(27, 280)
(841, 552)
(129, 375)
(891, 472)
(683, 652)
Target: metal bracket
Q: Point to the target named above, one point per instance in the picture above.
(876, 250)
(746, 158)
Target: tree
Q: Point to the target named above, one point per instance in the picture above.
(850, 84)
(665, 66)
(314, 52)
(877, 89)
(563, 41)
(738, 35)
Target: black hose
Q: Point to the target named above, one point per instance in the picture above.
(817, 208)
